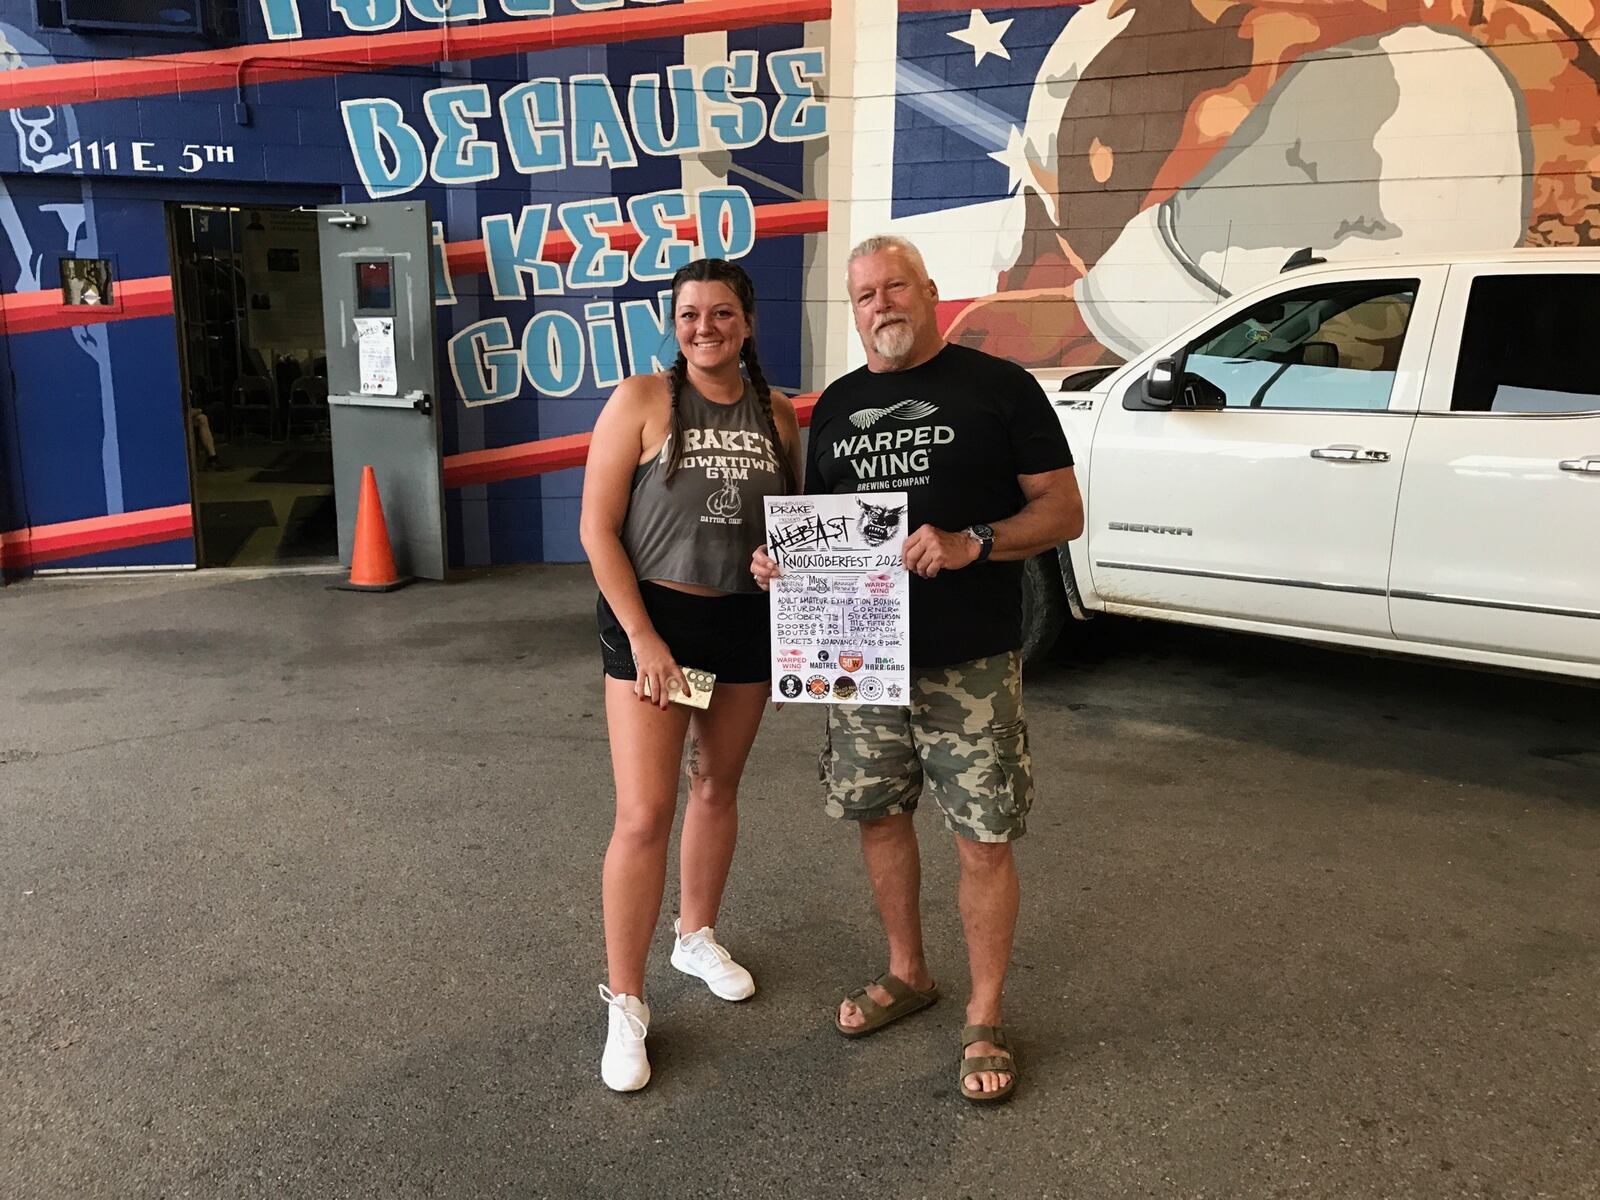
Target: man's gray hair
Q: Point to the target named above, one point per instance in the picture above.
(888, 241)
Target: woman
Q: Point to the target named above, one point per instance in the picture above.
(672, 510)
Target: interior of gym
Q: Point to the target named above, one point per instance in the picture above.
(248, 296)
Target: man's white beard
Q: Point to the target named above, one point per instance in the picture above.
(894, 341)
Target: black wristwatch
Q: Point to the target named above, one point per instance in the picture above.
(984, 536)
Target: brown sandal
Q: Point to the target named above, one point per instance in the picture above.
(905, 1000)
(978, 1063)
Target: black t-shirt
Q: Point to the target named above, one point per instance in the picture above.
(953, 434)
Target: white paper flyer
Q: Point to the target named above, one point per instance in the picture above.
(375, 351)
(840, 617)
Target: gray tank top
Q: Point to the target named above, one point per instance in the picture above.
(704, 525)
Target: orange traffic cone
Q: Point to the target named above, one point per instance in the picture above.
(371, 560)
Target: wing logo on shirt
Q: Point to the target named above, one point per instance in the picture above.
(905, 410)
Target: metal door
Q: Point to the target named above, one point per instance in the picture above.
(377, 307)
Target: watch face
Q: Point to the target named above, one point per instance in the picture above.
(984, 532)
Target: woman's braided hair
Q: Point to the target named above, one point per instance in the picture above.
(720, 270)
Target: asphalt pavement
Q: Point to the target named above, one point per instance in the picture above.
(299, 897)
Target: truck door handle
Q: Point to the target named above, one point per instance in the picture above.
(1350, 454)
(421, 401)
(1582, 466)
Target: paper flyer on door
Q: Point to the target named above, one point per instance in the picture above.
(375, 345)
(840, 608)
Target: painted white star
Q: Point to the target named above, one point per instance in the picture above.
(984, 36)
(1014, 159)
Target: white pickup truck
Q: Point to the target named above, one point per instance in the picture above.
(1399, 455)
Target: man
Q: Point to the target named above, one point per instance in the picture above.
(995, 488)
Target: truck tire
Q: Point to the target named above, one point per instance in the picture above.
(1044, 606)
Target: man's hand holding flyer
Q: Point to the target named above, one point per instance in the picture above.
(840, 627)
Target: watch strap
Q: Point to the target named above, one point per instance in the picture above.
(985, 544)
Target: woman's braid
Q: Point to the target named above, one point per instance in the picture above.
(680, 376)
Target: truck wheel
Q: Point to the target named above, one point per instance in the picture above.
(1044, 606)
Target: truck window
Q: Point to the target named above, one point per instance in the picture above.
(1529, 346)
(1329, 347)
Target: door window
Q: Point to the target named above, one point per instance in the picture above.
(1529, 346)
(1330, 347)
(375, 286)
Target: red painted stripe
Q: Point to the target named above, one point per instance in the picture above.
(22, 548)
(549, 454)
(268, 62)
(33, 312)
(516, 462)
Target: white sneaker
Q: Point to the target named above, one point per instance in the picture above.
(624, 1066)
(701, 955)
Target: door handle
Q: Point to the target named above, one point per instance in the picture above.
(422, 402)
(1582, 466)
(1350, 454)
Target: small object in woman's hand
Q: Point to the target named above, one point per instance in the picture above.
(700, 685)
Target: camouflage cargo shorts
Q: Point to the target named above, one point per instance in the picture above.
(963, 742)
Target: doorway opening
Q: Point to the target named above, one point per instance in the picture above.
(247, 293)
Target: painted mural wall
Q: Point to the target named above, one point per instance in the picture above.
(1177, 152)
(1083, 177)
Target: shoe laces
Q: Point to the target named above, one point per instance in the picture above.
(702, 944)
(635, 1026)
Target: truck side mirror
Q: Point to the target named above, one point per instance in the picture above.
(1160, 383)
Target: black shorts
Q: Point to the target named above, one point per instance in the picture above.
(726, 635)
